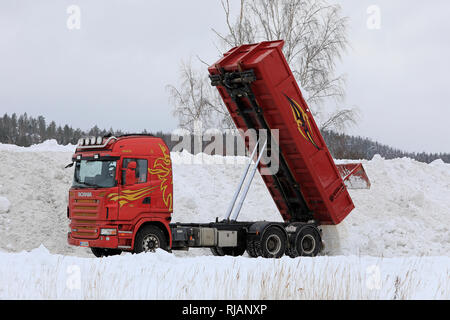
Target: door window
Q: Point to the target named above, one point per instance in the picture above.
(141, 170)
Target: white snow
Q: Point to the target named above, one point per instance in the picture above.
(46, 146)
(41, 275)
(4, 204)
(401, 225)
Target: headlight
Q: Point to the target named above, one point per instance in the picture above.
(108, 232)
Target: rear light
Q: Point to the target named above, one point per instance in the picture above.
(108, 232)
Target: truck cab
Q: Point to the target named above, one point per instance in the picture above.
(120, 185)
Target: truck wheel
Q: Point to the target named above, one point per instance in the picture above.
(218, 252)
(105, 252)
(98, 252)
(308, 242)
(251, 250)
(273, 243)
(149, 238)
(227, 251)
(233, 251)
(291, 252)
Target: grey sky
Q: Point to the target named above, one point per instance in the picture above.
(114, 70)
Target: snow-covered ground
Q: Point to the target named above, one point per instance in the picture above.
(395, 244)
(41, 275)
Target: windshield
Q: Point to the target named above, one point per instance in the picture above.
(95, 173)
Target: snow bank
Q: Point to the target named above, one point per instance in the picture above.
(4, 204)
(405, 213)
(46, 146)
(41, 275)
(36, 185)
(394, 245)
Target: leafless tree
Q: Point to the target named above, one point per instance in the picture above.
(194, 100)
(314, 32)
(341, 119)
(315, 38)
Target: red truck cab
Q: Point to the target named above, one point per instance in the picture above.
(120, 185)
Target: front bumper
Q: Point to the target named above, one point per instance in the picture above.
(111, 242)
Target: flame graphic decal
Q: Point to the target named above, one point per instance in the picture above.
(163, 170)
(301, 117)
(130, 195)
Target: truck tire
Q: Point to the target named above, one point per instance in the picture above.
(105, 252)
(227, 251)
(149, 238)
(233, 251)
(251, 250)
(218, 252)
(98, 252)
(308, 242)
(291, 252)
(272, 244)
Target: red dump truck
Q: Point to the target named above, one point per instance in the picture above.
(122, 194)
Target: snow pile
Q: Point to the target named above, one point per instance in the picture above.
(394, 245)
(46, 146)
(4, 204)
(41, 275)
(36, 185)
(405, 213)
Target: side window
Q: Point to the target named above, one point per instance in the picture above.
(141, 170)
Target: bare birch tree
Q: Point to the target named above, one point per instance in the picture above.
(193, 100)
(314, 32)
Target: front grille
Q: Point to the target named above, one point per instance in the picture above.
(85, 208)
(84, 232)
(82, 222)
(84, 214)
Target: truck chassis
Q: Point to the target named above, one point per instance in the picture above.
(262, 238)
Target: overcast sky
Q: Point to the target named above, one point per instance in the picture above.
(114, 70)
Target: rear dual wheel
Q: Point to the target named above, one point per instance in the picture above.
(308, 243)
(252, 250)
(271, 245)
(228, 251)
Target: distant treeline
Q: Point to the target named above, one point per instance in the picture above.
(343, 146)
(24, 131)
